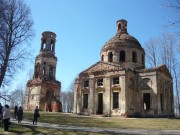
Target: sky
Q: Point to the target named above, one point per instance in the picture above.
(84, 26)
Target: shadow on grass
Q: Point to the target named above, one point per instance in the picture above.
(17, 129)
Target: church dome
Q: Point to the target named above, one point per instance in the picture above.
(123, 48)
(122, 40)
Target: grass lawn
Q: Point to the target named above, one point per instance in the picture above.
(102, 122)
(107, 122)
(16, 129)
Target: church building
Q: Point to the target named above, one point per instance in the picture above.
(44, 90)
(120, 85)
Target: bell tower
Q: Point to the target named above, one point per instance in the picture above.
(48, 41)
(44, 90)
(45, 63)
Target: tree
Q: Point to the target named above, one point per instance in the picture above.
(170, 57)
(167, 54)
(152, 52)
(67, 99)
(17, 96)
(174, 6)
(15, 33)
(168, 49)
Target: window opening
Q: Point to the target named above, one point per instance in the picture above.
(100, 82)
(44, 46)
(51, 72)
(122, 56)
(51, 47)
(143, 59)
(116, 80)
(85, 101)
(115, 100)
(44, 71)
(100, 103)
(37, 70)
(161, 100)
(134, 57)
(102, 58)
(110, 57)
(86, 83)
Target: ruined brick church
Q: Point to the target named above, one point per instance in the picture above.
(120, 85)
(44, 90)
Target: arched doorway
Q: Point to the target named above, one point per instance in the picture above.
(49, 98)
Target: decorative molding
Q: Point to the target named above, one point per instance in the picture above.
(100, 89)
(84, 90)
(116, 88)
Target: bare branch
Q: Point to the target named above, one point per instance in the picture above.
(15, 33)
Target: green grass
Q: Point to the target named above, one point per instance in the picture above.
(29, 130)
(109, 122)
(79, 120)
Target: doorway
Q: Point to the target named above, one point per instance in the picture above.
(146, 101)
(100, 103)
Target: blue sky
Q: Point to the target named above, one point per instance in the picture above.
(84, 26)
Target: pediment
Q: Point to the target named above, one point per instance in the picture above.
(101, 67)
(164, 69)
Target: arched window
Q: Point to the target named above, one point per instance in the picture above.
(51, 72)
(44, 71)
(119, 27)
(44, 68)
(102, 57)
(134, 56)
(43, 46)
(51, 47)
(143, 59)
(122, 56)
(37, 70)
(110, 57)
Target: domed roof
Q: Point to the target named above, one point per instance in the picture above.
(122, 38)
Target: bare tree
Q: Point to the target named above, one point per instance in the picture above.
(174, 6)
(30, 74)
(63, 101)
(170, 57)
(168, 50)
(70, 98)
(4, 95)
(17, 96)
(152, 52)
(176, 77)
(165, 52)
(15, 34)
(67, 99)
